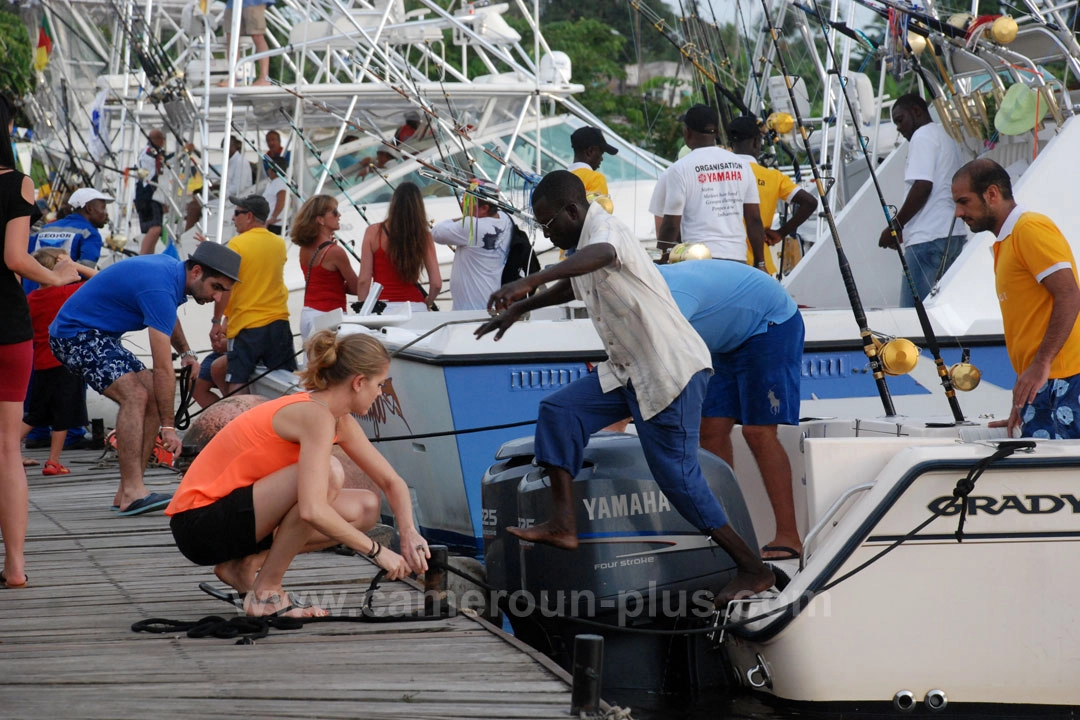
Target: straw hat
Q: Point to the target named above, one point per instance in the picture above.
(1020, 110)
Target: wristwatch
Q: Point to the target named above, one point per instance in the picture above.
(189, 353)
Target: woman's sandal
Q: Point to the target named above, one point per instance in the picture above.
(13, 586)
(54, 468)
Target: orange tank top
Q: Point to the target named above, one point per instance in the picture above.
(246, 450)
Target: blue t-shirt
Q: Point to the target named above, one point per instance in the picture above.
(727, 302)
(75, 234)
(130, 295)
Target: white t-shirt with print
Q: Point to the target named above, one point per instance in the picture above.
(708, 188)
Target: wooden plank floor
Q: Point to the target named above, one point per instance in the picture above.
(67, 649)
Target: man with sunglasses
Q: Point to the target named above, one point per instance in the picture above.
(140, 292)
(254, 318)
(657, 371)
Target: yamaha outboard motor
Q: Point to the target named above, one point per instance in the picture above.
(639, 563)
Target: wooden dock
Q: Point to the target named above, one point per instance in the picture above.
(67, 648)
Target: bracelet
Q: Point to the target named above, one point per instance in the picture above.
(166, 427)
(215, 321)
(760, 264)
(376, 548)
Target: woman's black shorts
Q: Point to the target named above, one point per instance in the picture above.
(221, 531)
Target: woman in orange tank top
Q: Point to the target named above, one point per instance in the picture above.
(267, 488)
(397, 249)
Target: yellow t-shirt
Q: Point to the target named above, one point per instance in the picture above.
(772, 186)
(260, 297)
(1021, 259)
(595, 182)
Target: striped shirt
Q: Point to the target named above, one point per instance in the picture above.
(649, 343)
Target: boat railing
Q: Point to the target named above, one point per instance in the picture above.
(821, 524)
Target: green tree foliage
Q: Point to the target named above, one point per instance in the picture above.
(16, 72)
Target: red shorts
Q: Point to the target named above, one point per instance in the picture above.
(16, 364)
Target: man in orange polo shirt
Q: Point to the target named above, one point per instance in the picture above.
(1036, 282)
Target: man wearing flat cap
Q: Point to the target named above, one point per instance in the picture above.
(254, 317)
(589, 149)
(140, 292)
(710, 194)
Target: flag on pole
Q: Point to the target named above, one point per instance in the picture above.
(44, 44)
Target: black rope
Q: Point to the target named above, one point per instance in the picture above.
(182, 418)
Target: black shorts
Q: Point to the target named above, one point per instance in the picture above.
(151, 216)
(271, 345)
(58, 399)
(221, 531)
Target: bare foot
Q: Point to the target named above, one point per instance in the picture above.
(240, 574)
(742, 586)
(277, 603)
(261, 81)
(547, 533)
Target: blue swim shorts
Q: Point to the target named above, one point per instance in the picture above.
(757, 383)
(100, 359)
(1055, 412)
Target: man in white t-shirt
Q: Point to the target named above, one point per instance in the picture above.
(709, 194)
(480, 243)
(239, 179)
(929, 233)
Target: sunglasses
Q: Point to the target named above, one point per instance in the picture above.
(238, 213)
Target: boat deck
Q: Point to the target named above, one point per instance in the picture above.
(69, 651)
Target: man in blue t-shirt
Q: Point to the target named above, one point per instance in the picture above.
(754, 331)
(141, 292)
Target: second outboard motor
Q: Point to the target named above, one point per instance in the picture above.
(638, 564)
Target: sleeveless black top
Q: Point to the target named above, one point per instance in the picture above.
(14, 313)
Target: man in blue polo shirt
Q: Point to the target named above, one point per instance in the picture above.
(754, 331)
(141, 292)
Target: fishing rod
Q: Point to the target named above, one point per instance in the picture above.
(895, 229)
(869, 348)
(348, 245)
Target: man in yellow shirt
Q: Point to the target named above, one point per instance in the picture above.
(589, 149)
(254, 316)
(773, 186)
(1036, 281)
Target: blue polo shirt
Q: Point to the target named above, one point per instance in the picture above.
(74, 234)
(727, 302)
(130, 295)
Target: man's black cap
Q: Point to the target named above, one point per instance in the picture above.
(744, 127)
(587, 137)
(255, 204)
(702, 119)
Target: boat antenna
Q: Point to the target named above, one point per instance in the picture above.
(876, 368)
(894, 229)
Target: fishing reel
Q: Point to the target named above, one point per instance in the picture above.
(689, 251)
(898, 355)
(964, 375)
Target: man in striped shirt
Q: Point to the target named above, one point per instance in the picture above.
(656, 372)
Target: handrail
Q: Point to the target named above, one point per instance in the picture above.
(827, 517)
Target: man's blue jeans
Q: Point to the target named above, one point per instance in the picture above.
(925, 262)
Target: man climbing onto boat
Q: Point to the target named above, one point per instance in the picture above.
(711, 196)
(1036, 282)
(755, 332)
(927, 225)
(141, 292)
(656, 372)
(148, 196)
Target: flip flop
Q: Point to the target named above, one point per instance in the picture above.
(12, 586)
(230, 596)
(787, 553)
(237, 599)
(150, 503)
